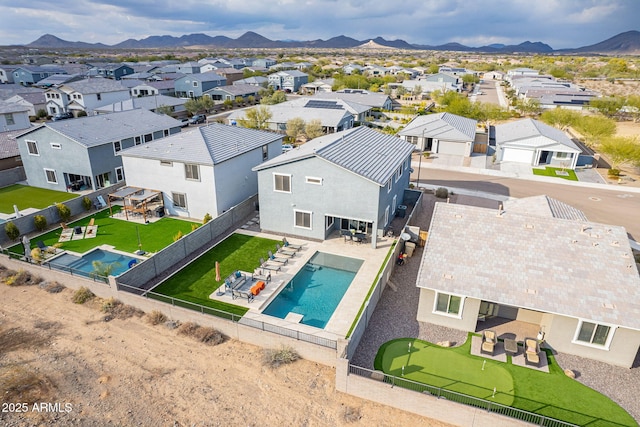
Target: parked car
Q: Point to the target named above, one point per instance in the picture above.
(62, 116)
(198, 118)
(185, 123)
(286, 147)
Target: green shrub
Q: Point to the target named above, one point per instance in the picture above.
(82, 295)
(207, 218)
(613, 172)
(12, 230)
(63, 211)
(40, 222)
(178, 236)
(442, 193)
(41, 114)
(86, 203)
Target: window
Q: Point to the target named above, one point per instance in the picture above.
(117, 146)
(562, 155)
(265, 152)
(166, 132)
(179, 200)
(56, 145)
(398, 173)
(302, 219)
(51, 176)
(448, 304)
(386, 216)
(393, 206)
(166, 163)
(138, 140)
(32, 146)
(9, 118)
(389, 185)
(313, 180)
(192, 172)
(328, 222)
(594, 334)
(119, 174)
(282, 183)
(99, 96)
(148, 137)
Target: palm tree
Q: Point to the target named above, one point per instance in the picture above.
(101, 269)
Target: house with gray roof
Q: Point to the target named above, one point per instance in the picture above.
(360, 96)
(254, 81)
(573, 280)
(325, 85)
(85, 95)
(206, 170)
(6, 73)
(443, 133)
(350, 180)
(151, 103)
(33, 101)
(59, 79)
(288, 80)
(9, 153)
(535, 143)
(27, 75)
(112, 71)
(70, 155)
(231, 92)
(13, 116)
(194, 85)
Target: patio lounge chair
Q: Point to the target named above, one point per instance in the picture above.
(259, 275)
(280, 260)
(235, 280)
(285, 252)
(269, 266)
(488, 341)
(42, 246)
(532, 351)
(288, 245)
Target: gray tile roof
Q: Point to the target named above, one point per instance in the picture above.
(11, 107)
(236, 90)
(208, 145)
(146, 102)
(255, 80)
(8, 145)
(530, 133)
(363, 151)
(576, 269)
(544, 206)
(105, 128)
(209, 76)
(443, 126)
(96, 85)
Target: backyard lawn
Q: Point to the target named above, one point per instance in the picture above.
(119, 233)
(550, 394)
(25, 197)
(197, 280)
(549, 171)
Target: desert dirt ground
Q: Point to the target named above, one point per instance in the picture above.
(607, 88)
(128, 372)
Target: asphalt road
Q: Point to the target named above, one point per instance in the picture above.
(615, 206)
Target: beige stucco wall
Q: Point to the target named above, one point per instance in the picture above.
(470, 310)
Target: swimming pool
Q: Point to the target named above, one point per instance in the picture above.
(84, 263)
(316, 290)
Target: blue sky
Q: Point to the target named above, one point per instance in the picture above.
(559, 23)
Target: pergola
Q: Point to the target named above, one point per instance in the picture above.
(136, 201)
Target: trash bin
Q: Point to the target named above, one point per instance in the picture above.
(423, 237)
(401, 212)
(159, 212)
(409, 247)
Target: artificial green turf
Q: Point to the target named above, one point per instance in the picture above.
(119, 233)
(25, 197)
(197, 281)
(549, 171)
(551, 394)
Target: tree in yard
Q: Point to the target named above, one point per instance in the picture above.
(400, 91)
(12, 230)
(227, 103)
(468, 80)
(633, 106)
(595, 128)
(251, 99)
(206, 103)
(192, 106)
(239, 100)
(417, 90)
(277, 98)
(528, 106)
(256, 118)
(295, 128)
(607, 106)
(40, 221)
(560, 118)
(164, 109)
(313, 129)
(433, 69)
(621, 150)
(63, 211)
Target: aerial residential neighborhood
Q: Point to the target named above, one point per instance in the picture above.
(339, 231)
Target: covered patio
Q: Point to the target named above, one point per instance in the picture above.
(138, 203)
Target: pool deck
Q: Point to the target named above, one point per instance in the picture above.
(347, 310)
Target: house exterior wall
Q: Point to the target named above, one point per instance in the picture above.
(386, 197)
(467, 322)
(6, 75)
(184, 86)
(559, 335)
(342, 193)
(91, 101)
(20, 121)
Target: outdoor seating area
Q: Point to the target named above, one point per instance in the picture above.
(138, 203)
(78, 232)
(497, 347)
(351, 236)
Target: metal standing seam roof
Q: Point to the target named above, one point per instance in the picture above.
(208, 145)
(579, 269)
(443, 126)
(375, 100)
(92, 131)
(281, 113)
(524, 132)
(363, 151)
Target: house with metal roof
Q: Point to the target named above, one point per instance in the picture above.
(535, 143)
(443, 133)
(572, 280)
(360, 96)
(206, 170)
(74, 154)
(194, 85)
(350, 180)
(85, 95)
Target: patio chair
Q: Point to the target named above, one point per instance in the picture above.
(288, 245)
(279, 260)
(259, 275)
(360, 237)
(346, 234)
(532, 351)
(489, 340)
(285, 252)
(42, 246)
(267, 266)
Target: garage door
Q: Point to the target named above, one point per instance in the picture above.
(459, 148)
(517, 155)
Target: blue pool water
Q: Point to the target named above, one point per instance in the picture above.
(316, 290)
(84, 263)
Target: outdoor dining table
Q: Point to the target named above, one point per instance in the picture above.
(510, 346)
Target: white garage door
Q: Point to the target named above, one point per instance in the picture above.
(459, 148)
(517, 155)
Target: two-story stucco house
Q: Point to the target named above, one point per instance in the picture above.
(27, 75)
(85, 95)
(289, 80)
(350, 180)
(82, 153)
(194, 85)
(207, 170)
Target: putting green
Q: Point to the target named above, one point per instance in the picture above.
(441, 367)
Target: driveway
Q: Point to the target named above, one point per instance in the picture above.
(519, 169)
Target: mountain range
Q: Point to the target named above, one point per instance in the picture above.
(627, 43)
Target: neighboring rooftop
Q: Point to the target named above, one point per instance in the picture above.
(544, 206)
(531, 133)
(444, 126)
